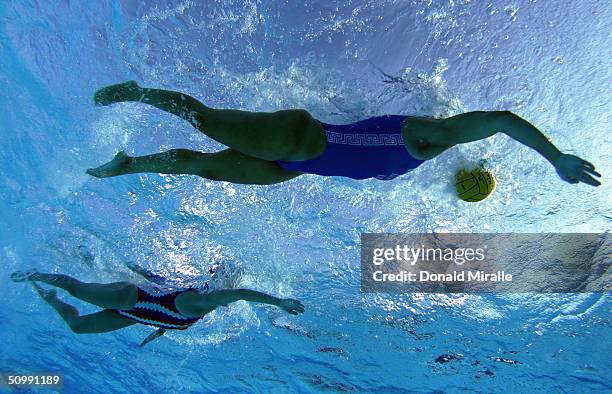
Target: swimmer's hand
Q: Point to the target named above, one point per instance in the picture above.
(153, 336)
(292, 306)
(126, 91)
(573, 169)
(22, 276)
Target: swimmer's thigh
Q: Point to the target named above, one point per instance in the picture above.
(103, 321)
(232, 166)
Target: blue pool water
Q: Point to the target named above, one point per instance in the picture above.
(343, 61)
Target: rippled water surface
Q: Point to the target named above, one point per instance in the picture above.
(343, 61)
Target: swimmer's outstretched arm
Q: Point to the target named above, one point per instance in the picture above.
(212, 300)
(473, 126)
(148, 275)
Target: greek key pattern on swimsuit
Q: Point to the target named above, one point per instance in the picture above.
(364, 139)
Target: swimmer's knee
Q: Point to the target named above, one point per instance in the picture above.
(79, 327)
(179, 154)
(210, 170)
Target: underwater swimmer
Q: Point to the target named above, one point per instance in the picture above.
(269, 148)
(126, 304)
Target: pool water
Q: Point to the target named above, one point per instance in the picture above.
(343, 61)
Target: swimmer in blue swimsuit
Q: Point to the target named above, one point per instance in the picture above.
(269, 148)
(126, 304)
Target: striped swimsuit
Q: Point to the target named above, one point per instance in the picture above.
(157, 308)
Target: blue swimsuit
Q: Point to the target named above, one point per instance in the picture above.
(371, 148)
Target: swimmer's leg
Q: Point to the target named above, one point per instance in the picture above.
(228, 165)
(103, 321)
(118, 295)
(290, 135)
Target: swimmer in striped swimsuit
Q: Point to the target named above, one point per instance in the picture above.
(126, 304)
(268, 148)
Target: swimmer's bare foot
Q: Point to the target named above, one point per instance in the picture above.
(22, 276)
(112, 168)
(126, 91)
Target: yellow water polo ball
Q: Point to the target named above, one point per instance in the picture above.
(474, 185)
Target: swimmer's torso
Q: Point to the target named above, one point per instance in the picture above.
(371, 148)
(156, 307)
